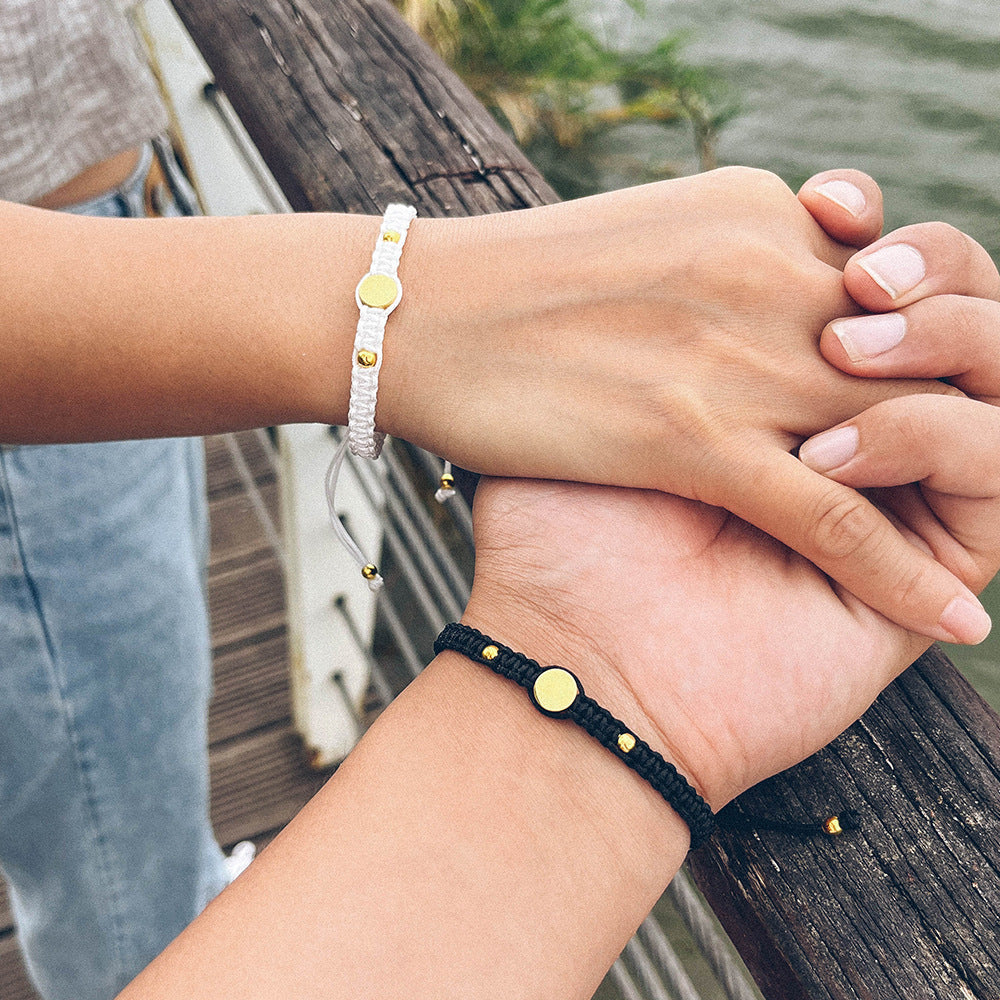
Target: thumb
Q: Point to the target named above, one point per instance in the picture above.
(847, 204)
(851, 540)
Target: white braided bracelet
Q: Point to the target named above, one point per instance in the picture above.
(377, 294)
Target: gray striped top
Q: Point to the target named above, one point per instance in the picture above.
(74, 90)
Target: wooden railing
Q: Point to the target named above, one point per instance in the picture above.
(351, 110)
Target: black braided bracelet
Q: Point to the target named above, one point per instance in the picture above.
(557, 692)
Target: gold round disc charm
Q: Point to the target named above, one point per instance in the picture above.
(554, 691)
(378, 291)
(367, 359)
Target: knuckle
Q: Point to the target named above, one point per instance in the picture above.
(947, 246)
(752, 177)
(913, 585)
(843, 525)
(944, 233)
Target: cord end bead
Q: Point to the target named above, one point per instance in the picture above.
(371, 574)
(447, 488)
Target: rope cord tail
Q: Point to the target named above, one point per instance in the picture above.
(368, 569)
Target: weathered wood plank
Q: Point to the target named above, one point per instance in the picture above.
(223, 477)
(246, 602)
(6, 920)
(351, 111)
(259, 783)
(237, 533)
(909, 906)
(251, 689)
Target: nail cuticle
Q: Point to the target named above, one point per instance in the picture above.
(866, 337)
(896, 269)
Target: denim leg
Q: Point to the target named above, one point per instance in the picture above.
(104, 682)
(105, 676)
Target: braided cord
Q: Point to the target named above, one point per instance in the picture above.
(598, 722)
(365, 441)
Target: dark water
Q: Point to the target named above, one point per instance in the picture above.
(907, 90)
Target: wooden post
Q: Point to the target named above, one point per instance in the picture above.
(350, 110)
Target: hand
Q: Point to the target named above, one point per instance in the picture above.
(662, 337)
(909, 447)
(732, 655)
(740, 656)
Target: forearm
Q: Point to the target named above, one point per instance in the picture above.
(468, 847)
(134, 328)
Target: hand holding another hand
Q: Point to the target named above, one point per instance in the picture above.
(666, 337)
(739, 655)
(929, 461)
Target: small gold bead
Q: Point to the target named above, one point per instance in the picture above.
(447, 482)
(490, 653)
(832, 826)
(369, 572)
(626, 742)
(367, 359)
(390, 236)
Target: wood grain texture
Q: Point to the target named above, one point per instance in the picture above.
(14, 983)
(351, 110)
(907, 907)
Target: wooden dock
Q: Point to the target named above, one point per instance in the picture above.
(260, 777)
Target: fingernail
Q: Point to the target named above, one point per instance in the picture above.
(895, 269)
(866, 337)
(844, 194)
(829, 450)
(966, 620)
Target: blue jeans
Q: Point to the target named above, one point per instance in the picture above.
(105, 677)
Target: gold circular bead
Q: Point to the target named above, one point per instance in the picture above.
(369, 571)
(626, 742)
(832, 826)
(555, 689)
(390, 236)
(378, 291)
(490, 653)
(367, 359)
(447, 482)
